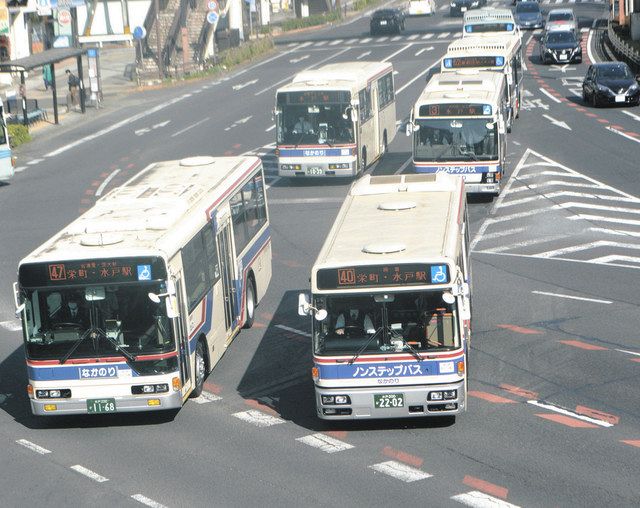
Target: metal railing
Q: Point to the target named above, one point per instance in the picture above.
(622, 49)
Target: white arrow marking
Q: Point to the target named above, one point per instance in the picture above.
(562, 68)
(557, 122)
(161, 124)
(548, 94)
(624, 135)
(244, 120)
(140, 132)
(635, 117)
(363, 55)
(243, 85)
(300, 59)
(430, 48)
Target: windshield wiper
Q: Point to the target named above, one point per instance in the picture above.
(467, 153)
(365, 345)
(128, 356)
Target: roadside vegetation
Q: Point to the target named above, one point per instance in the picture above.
(18, 135)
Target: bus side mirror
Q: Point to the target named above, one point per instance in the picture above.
(304, 305)
(410, 128)
(16, 298)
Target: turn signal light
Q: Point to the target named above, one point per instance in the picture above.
(461, 367)
(30, 391)
(50, 407)
(153, 402)
(177, 385)
(315, 373)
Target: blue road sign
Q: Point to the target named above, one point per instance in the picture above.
(212, 17)
(139, 32)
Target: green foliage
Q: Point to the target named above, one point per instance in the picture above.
(316, 19)
(245, 52)
(18, 134)
(359, 5)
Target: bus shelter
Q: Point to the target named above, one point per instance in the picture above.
(38, 60)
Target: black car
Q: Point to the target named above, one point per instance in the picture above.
(610, 83)
(387, 20)
(560, 47)
(458, 7)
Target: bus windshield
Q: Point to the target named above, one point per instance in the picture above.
(313, 122)
(96, 321)
(459, 139)
(401, 323)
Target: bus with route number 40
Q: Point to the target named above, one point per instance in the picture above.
(391, 301)
(129, 306)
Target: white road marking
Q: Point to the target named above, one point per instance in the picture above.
(325, 443)
(413, 37)
(628, 352)
(106, 181)
(582, 299)
(586, 246)
(525, 243)
(34, 161)
(500, 234)
(418, 76)
(239, 122)
(365, 40)
(258, 418)
(616, 260)
(591, 206)
(269, 129)
(294, 330)
(19, 169)
(400, 471)
(336, 42)
(33, 447)
(566, 412)
(602, 218)
(477, 499)
(89, 474)
(559, 123)
(182, 131)
(351, 41)
(554, 195)
(629, 113)
(320, 43)
(589, 52)
(206, 397)
(146, 501)
(396, 38)
(555, 99)
(419, 52)
(623, 134)
(381, 39)
(404, 48)
(363, 55)
(244, 85)
(427, 36)
(12, 326)
(299, 59)
(618, 232)
(404, 166)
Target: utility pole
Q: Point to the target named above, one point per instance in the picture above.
(156, 4)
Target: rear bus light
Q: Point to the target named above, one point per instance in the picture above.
(56, 393)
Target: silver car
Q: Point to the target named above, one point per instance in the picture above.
(561, 19)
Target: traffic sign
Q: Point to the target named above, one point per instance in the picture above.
(139, 33)
(64, 16)
(212, 5)
(212, 17)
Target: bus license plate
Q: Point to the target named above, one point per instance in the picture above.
(388, 400)
(315, 171)
(101, 405)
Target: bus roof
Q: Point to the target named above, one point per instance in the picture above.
(396, 219)
(153, 213)
(488, 15)
(462, 86)
(338, 76)
(498, 44)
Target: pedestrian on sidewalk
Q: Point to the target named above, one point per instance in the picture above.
(47, 77)
(73, 82)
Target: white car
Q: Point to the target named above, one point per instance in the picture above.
(561, 19)
(421, 8)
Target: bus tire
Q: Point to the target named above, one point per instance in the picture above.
(200, 369)
(385, 145)
(363, 161)
(249, 304)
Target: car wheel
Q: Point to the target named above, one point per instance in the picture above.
(200, 370)
(584, 96)
(249, 304)
(594, 100)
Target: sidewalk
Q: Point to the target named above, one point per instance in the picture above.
(114, 62)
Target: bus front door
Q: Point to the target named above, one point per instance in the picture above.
(226, 266)
(183, 343)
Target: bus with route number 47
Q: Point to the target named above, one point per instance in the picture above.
(391, 301)
(129, 306)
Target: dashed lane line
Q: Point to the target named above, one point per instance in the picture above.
(294, 330)
(325, 443)
(89, 474)
(571, 297)
(33, 447)
(566, 412)
(258, 418)
(477, 499)
(400, 471)
(146, 501)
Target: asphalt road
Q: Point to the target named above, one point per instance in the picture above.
(553, 415)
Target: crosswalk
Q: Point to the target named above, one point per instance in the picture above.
(550, 211)
(441, 36)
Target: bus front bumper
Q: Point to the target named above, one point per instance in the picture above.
(415, 402)
(317, 169)
(482, 188)
(150, 402)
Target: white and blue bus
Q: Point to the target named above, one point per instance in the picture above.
(129, 306)
(501, 53)
(391, 301)
(458, 127)
(336, 120)
(7, 161)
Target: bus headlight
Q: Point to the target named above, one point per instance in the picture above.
(61, 393)
(340, 165)
(155, 388)
(450, 394)
(435, 395)
(291, 167)
(335, 399)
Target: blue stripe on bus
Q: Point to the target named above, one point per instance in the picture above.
(247, 259)
(5, 153)
(204, 327)
(376, 370)
(73, 372)
(457, 170)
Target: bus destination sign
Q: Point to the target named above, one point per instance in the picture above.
(92, 271)
(489, 27)
(473, 61)
(455, 110)
(371, 276)
(314, 97)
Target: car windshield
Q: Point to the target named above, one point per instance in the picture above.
(618, 71)
(385, 13)
(527, 7)
(560, 16)
(556, 37)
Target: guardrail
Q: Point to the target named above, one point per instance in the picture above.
(622, 49)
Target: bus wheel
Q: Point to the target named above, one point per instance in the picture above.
(385, 146)
(249, 304)
(200, 371)
(363, 161)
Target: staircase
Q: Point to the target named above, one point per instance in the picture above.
(174, 15)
